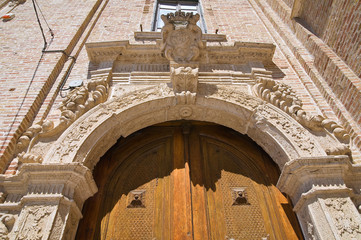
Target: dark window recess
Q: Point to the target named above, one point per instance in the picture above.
(165, 7)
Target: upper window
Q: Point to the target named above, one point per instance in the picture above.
(171, 6)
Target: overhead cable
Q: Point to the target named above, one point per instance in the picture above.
(41, 12)
(41, 28)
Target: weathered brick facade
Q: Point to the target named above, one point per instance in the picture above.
(317, 53)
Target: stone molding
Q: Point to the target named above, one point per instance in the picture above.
(72, 181)
(123, 51)
(282, 96)
(44, 201)
(148, 36)
(326, 193)
(97, 130)
(302, 175)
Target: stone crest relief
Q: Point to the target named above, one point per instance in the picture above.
(35, 222)
(346, 223)
(181, 37)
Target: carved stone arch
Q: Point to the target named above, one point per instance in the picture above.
(87, 139)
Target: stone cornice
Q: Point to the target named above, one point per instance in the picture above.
(73, 181)
(157, 35)
(240, 52)
(302, 175)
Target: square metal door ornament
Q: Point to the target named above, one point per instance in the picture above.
(136, 199)
(239, 196)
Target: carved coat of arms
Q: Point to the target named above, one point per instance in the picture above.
(181, 37)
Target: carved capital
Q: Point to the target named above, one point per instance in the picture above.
(44, 201)
(300, 176)
(322, 192)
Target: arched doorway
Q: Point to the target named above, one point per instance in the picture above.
(187, 180)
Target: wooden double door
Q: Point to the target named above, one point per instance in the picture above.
(187, 181)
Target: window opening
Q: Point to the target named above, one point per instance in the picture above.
(165, 7)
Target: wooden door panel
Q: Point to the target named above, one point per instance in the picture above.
(181, 210)
(225, 177)
(169, 182)
(199, 203)
(128, 207)
(230, 164)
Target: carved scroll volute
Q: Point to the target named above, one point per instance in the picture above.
(181, 37)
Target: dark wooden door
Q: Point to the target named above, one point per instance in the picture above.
(187, 181)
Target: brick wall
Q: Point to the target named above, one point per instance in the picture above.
(289, 3)
(335, 79)
(338, 24)
(316, 15)
(24, 81)
(26, 98)
(343, 33)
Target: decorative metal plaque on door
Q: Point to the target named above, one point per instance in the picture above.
(136, 199)
(239, 196)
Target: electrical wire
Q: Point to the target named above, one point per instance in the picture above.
(35, 71)
(41, 28)
(41, 12)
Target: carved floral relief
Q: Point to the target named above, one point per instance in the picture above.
(346, 223)
(38, 216)
(283, 97)
(78, 101)
(185, 83)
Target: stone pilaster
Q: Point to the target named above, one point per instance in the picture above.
(44, 201)
(323, 197)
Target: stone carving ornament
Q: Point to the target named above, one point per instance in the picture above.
(6, 224)
(185, 83)
(347, 226)
(78, 101)
(283, 97)
(38, 217)
(181, 37)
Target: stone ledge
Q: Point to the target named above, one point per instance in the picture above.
(149, 36)
(327, 172)
(74, 181)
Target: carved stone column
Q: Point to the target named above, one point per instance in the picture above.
(44, 201)
(323, 199)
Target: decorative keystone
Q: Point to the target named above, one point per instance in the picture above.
(185, 83)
